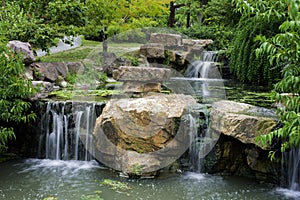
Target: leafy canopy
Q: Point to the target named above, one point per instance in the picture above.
(283, 51)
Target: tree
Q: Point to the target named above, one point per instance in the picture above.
(105, 18)
(283, 53)
(256, 19)
(14, 94)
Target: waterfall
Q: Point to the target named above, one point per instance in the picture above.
(201, 139)
(291, 168)
(205, 77)
(66, 130)
(202, 68)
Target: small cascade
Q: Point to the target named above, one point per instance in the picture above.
(199, 136)
(202, 68)
(205, 78)
(66, 131)
(291, 162)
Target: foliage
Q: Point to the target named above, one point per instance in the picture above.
(221, 35)
(14, 91)
(24, 27)
(118, 16)
(191, 8)
(244, 63)
(283, 52)
(220, 12)
(66, 13)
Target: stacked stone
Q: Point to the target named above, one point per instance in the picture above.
(179, 50)
(141, 79)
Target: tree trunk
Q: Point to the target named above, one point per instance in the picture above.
(173, 8)
(188, 16)
(104, 40)
(172, 15)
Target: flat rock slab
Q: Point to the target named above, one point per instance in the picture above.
(166, 39)
(141, 74)
(153, 50)
(242, 121)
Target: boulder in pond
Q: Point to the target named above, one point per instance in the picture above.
(142, 135)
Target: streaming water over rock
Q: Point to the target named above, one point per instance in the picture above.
(204, 67)
(291, 173)
(66, 130)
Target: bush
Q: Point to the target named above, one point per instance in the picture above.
(15, 89)
(220, 34)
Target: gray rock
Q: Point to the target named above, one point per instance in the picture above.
(75, 67)
(24, 47)
(45, 71)
(142, 74)
(153, 50)
(236, 120)
(44, 89)
(166, 39)
(191, 42)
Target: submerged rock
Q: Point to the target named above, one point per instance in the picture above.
(142, 135)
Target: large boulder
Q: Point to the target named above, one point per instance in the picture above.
(143, 135)
(49, 71)
(242, 121)
(23, 47)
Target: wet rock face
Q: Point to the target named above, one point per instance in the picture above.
(242, 121)
(24, 47)
(129, 130)
(237, 152)
(232, 157)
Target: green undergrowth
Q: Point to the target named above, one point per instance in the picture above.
(89, 50)
(67, 94)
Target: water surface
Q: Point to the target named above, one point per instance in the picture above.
(42, 178)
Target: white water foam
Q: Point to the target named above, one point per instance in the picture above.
(289, 193)
(194, 176)
(66, 167)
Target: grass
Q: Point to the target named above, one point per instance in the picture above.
(89, 49)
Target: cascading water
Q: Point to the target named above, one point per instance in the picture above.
(202, 140)
(205, 77)
(201, 68)
(66, 131)
(291, 173)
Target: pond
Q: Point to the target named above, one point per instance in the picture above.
(43, 179)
